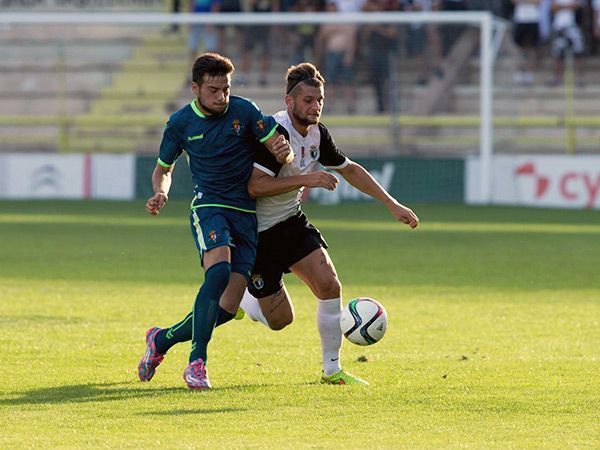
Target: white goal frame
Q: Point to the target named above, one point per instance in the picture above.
(484, 20)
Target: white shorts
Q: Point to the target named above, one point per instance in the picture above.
(569, 38)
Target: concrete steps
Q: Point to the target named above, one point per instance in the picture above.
(133, 93)
(535, 100)
(108, 72)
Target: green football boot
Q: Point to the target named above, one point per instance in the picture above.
(342, 377)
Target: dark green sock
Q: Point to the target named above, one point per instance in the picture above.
(182, 331)
(206, 308)
(168, 337)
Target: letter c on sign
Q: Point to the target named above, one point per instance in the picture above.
(564, 181)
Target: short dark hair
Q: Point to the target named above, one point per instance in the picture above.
(305, 73)
(213, 65)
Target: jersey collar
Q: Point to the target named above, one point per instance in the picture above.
(201, 114)
(293, 130)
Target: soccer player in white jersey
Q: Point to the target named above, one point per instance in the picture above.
(287, 240)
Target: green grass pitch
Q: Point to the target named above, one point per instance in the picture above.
(493, 338)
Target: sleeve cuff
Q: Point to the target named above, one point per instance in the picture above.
(341, 166)
(264, 169)
(268, 136)
(160, 162)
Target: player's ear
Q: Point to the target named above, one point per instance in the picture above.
(196, 89)
(289, 101)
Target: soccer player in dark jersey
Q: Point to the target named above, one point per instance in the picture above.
(218, 133)
(288, 242)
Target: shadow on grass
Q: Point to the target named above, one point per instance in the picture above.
(106, 392)
(82, 393)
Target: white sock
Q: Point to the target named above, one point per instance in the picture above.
(251, 307)
(328, 322)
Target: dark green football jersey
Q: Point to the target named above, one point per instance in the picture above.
(220, 150)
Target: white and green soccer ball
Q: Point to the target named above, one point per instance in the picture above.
(363, 321)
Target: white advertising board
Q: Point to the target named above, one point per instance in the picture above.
(113, 177)
(43, 176)
(52, 176)
(544, 181)
(4, 177)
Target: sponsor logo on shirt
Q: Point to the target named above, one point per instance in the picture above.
(195, 138)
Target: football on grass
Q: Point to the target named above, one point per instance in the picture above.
(363, 321)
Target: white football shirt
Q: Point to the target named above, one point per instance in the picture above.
(564, 18)
(312, 151)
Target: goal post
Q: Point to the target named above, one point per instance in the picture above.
(483, 21)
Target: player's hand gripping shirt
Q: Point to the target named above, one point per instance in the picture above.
(317, 148)
(220, 150)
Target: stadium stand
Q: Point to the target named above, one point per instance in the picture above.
(107, 89)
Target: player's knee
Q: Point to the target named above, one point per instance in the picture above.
(329, 288)
(280, 322)
(218, 275)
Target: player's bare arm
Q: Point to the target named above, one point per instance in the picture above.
(262, 184)
(280, 148)
(362, 180)
(161, 184)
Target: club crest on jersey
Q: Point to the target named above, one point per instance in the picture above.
(261, 125)
(212, 236)
(257, 281)
(236, 126)
(314, 152)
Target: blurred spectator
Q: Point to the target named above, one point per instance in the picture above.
(586, 20)
(230, 6)
(348, 5)
(205, 33)
(454, 5)
(303, 36)
(485, 5)
(287, 5)
(450, 33)
(380, 43)
(336, 48)
(257, 37)
(567, 39)
(424, 39)
(507, 9)
(526, 34)
(545, 20)
(596, 9)
(231, 33)
(594, 26)
(175, 8)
